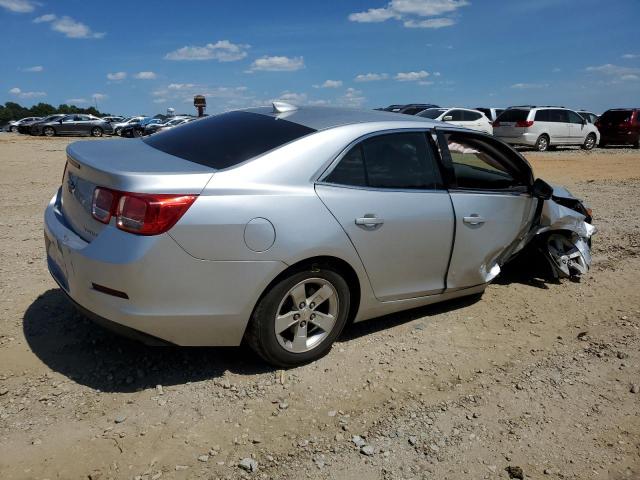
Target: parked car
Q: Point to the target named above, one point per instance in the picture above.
(117, 127)
(113, 119)
(462, 117)
(620, 126)
(137, 129)
(544, 127)
(410, 108)
(13, 125)
(588, 116)
(174, 122)
(25, 127)
(491, 113)
(278, 226)
(74, 124)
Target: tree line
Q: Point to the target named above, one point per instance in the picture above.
(14, 111)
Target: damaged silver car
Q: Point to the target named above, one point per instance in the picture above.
(278, 226)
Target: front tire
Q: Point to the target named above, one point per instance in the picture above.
(542, 144)
(589, 142)
(13, 129)
(96, 132)
(49, 131)
(300, 317)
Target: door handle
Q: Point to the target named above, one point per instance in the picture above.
(474, 219)
(369, 221)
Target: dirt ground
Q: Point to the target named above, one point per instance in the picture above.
(535, 375)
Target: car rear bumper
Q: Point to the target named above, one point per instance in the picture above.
(528, 139)
(170, 295)
(619, 137)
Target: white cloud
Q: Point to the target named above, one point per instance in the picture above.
(181, 86)
(352, 98)
(117, 76)
(77, 101)
(18, 6)
(292, 97)
(631, 56)
(49, 17)
(527, 86)
(425, 83)
(629, 77)
(68, 26)
(277, 64)
(373, 15)
(160, 100)
(371, 77)
(18, 92)
(223, 51)
(412, 13)
(330, 84)
(34, 69)
(411, 76)
(431, 23)
(614, 70)
(145, 75)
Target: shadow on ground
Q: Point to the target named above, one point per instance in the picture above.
(69, 343)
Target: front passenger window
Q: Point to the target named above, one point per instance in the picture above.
(479, 166)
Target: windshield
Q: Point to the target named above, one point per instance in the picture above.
(432, 113)
(513, 115)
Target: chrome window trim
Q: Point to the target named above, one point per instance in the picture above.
(319, 179)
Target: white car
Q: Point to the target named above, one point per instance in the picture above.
(13, 125)
(461, 117)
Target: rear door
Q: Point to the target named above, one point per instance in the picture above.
(66, 126)
(492, 203)
(386, 193)
(559, 127)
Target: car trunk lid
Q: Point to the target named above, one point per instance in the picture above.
(123, 165)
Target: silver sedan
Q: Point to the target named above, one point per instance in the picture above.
(278, 226)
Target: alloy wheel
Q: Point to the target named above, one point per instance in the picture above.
(306, 315)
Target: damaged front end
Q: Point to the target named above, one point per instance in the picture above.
(562, 233)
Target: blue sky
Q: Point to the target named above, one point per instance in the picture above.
(142, 57)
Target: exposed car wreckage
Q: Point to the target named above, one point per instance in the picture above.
(562, 233)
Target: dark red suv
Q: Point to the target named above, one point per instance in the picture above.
(620, 126)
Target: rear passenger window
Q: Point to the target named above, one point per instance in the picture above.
(456, 115)
(480, 166)
(350, 170)
(542, 116)
(558, 116)
(470, 116)
(397, 161)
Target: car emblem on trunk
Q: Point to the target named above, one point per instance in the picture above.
(71, 184)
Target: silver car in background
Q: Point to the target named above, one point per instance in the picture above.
(544, 127)
(73, 124)
(277, 226)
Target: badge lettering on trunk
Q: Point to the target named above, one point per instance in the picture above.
(71, 184)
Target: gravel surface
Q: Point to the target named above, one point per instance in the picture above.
(533, 380)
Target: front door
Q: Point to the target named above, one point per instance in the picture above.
(385, 192)
(492, 203)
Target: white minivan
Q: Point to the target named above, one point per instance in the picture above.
(544, 127)
(462, 117)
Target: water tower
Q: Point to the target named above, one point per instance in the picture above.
(200, 103)
(171, 112)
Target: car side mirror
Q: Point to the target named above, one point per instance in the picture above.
(60, 121)
(448, 118)
(541, 189)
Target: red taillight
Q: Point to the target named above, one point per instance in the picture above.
(496, 124)
(103, 204)
(140, 213)
(524, 123)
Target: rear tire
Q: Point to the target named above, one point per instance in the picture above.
(542, 144)
(589, 142)
(49, 131)
(290, 302)
(96, 132)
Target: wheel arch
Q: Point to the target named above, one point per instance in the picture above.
(328, 261)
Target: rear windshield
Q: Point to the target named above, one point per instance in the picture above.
(432, 113)
(225, 140)
(513, 115)
(616, 116)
